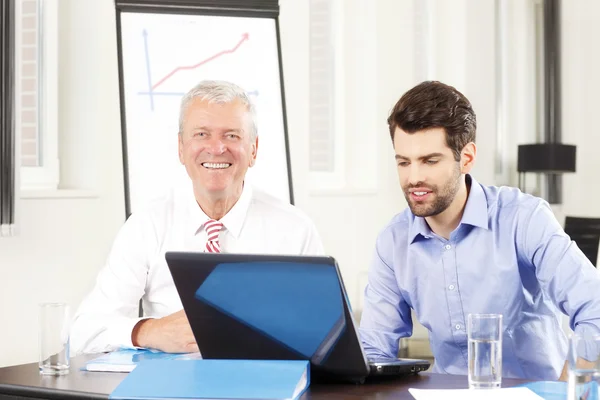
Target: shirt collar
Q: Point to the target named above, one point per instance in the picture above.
(418, 228)
(475, 214)
(233, 221)
(476, 210)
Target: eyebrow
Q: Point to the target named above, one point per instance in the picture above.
(205, 128)
(425, 157)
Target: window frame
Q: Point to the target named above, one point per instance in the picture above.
(46, 175)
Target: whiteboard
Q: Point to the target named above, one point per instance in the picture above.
(165, 55)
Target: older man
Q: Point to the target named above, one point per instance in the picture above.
(218, 142)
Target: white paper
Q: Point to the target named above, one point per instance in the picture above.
(518, 393)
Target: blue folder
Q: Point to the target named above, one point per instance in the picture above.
(555, 390)
(548, 390)
(215, 379)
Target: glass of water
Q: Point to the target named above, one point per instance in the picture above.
(54, 338)
(584, 367)
(485, 350)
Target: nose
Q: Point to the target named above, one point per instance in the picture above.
(215, 146)
(416, 175)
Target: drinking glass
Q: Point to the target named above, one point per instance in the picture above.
(484, 332)
(54, 338)
(584, 367)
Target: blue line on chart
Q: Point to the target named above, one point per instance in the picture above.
(145, 34)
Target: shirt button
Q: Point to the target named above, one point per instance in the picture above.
(457, 327)
(447, 247)
(451, 287)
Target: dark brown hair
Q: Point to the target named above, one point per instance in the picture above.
(432, 104)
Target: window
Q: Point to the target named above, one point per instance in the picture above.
(326, 153)
(36, 91)
(343, 97)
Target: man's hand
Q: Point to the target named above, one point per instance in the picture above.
(580, 364)
(171, 334)
(564, 376)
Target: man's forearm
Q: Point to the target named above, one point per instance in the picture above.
(171, 334)
(140, 335)
(564, 376)
(581, 364)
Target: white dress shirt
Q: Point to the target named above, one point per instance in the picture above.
(136, 267)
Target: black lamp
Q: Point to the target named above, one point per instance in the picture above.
(550, 158)
(546, 158)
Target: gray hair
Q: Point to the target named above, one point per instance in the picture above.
(220, 92)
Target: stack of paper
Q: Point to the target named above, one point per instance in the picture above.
(126, 360)
(516, 393)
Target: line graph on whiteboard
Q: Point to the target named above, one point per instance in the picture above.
(163, 56)
(153, 87)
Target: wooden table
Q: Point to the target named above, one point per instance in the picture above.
(24, 382)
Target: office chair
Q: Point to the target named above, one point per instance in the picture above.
(586, 233)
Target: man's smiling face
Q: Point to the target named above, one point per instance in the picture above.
(429, 174)
(217, 147)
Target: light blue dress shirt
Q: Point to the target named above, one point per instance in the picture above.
(509, 255)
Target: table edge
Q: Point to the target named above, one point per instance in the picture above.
(37, 392)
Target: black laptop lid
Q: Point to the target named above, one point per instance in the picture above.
(269, 307)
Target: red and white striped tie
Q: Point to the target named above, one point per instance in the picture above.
(213, 228)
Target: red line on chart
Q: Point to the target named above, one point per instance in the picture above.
(219, 54)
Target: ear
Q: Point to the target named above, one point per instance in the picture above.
(467, 158)
(253, 151)
(180, 148)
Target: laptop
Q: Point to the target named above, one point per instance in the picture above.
(248, 306)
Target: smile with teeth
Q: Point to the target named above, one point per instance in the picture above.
(216, 165)
(420, 195)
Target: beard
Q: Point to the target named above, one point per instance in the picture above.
(442, 196)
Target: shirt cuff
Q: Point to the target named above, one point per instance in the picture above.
(586, 329)
(121, 335)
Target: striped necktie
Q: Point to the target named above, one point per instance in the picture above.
(212, 236)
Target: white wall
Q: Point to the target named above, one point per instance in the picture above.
(64, 241)
(580, 85)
